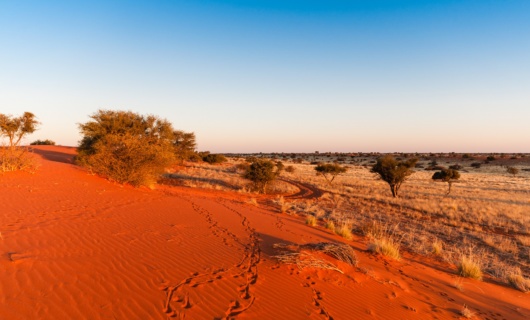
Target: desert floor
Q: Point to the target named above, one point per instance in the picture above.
(76, 246)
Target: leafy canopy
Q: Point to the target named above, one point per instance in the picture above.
(329, 171)
(393, 172)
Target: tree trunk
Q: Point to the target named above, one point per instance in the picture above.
(394, 190)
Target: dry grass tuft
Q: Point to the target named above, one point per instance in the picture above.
(253, 201)
(330, 225)
(303, 255)
(466, 313)
(385, 246)
(344, 230)
(518, 281)
(437, 247)
(311, 221)
(469, 267)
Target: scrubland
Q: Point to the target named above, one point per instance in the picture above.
(484, 221)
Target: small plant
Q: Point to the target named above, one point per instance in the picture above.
(330, 225)
(311, 221)
(469, 267)
(490, 158)
(253, 202)
(518, 281)
(466, 313)
(437, 247)
(387, 246)
(344, 230)
(512, 170)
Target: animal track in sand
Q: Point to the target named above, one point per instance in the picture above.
(246, 269)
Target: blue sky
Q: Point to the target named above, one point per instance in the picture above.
(284, 76)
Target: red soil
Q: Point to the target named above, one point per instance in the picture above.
(75, 246)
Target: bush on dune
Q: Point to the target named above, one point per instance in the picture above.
(127, 147)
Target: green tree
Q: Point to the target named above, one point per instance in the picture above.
(447, 175)
(393, 172)
(261, 173)
(330, 171)
(126, 147)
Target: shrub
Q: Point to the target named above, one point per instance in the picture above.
(447, 175)
(393, 172)
(490, 158)
(214, 158)
(476, 165)
(290, 169)
(456, 167)
(42, 143)
(261, 173)
(126, 147)
(13, 157)
(512, 170)
(330, 171)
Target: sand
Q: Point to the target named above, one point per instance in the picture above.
(76, 246)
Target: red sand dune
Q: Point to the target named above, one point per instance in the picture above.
(75, 246)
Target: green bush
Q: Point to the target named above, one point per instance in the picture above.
(261, 173)
(46, 142)
(126, 147)
(214, 158)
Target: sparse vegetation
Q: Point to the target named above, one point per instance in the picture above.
(393, 172)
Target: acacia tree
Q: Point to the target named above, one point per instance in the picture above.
(393, 172)
(447, 175)
(330, 171)
(16, 128)
(261, 173)
(126, 147)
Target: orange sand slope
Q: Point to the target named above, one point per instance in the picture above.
(75, 246)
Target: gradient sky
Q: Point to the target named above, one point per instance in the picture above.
(278, 75)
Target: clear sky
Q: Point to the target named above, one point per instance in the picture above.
(278, 75)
